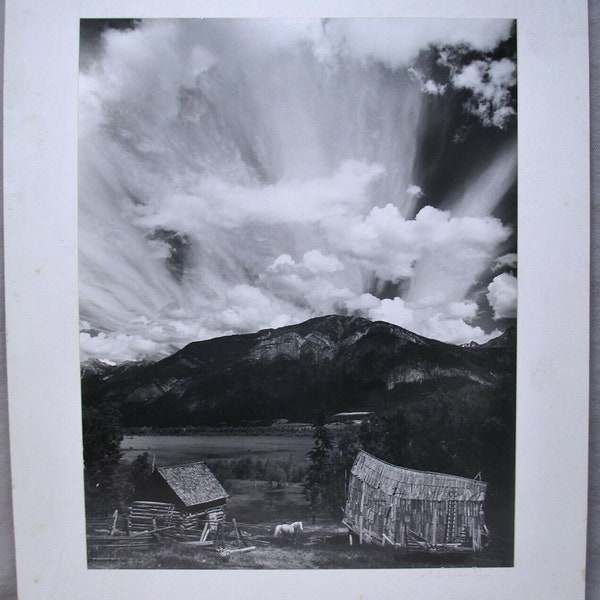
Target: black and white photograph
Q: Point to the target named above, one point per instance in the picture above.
(297, 280)
(266, 335)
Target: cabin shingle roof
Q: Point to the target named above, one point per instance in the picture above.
(415, 485)
(193, 483)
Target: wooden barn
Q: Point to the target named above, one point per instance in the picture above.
(415, 510)
(189, 495)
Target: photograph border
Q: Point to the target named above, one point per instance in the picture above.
(42, 324)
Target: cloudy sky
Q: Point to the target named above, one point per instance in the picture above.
(236, 175)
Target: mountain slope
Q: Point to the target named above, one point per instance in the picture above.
(341, 363)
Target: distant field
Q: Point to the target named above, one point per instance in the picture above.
(175, 449)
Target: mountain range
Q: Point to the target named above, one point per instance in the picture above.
(335, 363)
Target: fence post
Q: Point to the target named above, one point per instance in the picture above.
(114, 523)
(237, 535)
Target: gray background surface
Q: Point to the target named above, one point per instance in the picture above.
(593, 564)
(7, 561)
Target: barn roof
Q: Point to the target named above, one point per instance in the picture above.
(193, 483)
(414, 485)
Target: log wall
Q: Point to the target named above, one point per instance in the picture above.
(146, 516)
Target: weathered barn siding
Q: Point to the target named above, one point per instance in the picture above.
(387, 504)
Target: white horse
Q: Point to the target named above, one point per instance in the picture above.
(286, 530)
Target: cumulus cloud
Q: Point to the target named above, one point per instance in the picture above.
(414, 191)
(313, 260)
(433, 88)
(437, 256)
(428, 86)
(487, 84)
(502, 296)
(393, 311)
(450, 323)
(506, 261)
(465, 310)
(491, 83)
(435, 250)
(456, 331)
(247, 309)
(118, 347)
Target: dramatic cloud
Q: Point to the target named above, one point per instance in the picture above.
(502, 296)
(117, 347)
(491, 83)
(428, 86)
(242, 174)
(448, 323)
(453, 250)
(433, 88)
(414, 192)
(398, 41)
(507, 261)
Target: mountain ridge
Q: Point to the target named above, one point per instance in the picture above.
(335, 361)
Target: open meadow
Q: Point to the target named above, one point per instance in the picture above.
(180, 449)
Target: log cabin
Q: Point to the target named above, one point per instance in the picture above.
(188, 495)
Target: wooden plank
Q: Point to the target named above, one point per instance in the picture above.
(202, 543)
(237, 535)
(204, 533)
(239, 550)
(360, 514)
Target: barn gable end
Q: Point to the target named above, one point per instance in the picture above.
(414, 509)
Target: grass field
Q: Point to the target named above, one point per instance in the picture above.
(321, 546)
(175, 449)
(320, 549)
(257, 503)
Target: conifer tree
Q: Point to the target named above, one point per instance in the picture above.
(319, 464)
(102, 436)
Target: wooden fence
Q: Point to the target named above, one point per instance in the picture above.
(149, 524)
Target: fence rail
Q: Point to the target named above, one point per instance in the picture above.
(149, 524)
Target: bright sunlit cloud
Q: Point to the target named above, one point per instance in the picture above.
(502, 296)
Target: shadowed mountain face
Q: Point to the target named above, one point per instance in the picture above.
(337, 363)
